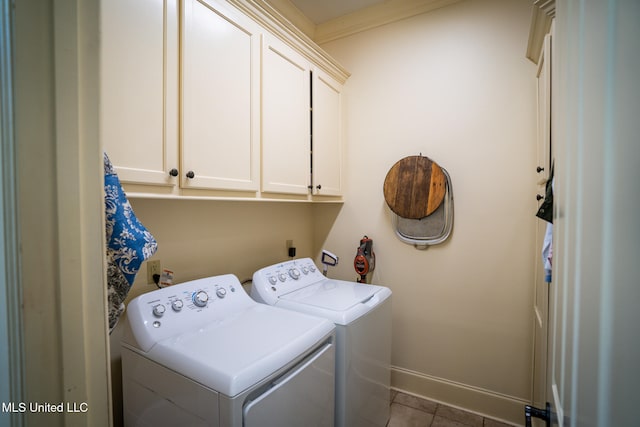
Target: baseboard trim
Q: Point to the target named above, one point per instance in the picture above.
(507, 409)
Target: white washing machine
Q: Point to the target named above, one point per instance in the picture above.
(362, 315)
(203, 353)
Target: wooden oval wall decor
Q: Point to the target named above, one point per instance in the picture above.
(414, 187)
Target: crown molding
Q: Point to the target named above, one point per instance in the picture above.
(267, 15)
(542, 15)
(295, 16)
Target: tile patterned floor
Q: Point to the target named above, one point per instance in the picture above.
(411, 411)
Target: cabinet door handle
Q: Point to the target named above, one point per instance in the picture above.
(539, 169)
(173, 172)
(191, 175)
(318, 186)
(539, 197)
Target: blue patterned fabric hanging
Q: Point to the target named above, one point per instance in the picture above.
(129, 243)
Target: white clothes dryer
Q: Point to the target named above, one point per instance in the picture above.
(203, 353)
(362, 315)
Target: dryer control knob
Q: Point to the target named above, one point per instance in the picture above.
(282, 277)
(273, 280)
(158, 310)
(305, 270)
(200, 298)
(294, 273)
(221, 292)
(177, 305)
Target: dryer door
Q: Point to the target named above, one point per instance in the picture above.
(302, 396)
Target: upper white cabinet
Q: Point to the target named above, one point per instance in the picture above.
(326, 134)
(220, 98)
(286, 125)
(213, 98)
(302, 124)
(139, 89)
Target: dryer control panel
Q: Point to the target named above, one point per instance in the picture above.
(181, 308)
(275, 280)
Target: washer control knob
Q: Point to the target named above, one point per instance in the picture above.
(312, 268)
(273, 280)
(177, 305)
(294, 273)
(282, 277)
(221, 292)
(200, 298)
(305, 270)
(158, 310)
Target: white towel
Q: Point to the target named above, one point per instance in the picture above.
(547, 252)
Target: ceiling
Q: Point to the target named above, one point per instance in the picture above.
(323, 11)
(326, 20)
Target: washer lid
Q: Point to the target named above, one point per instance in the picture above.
(339, 301)
(232, 355)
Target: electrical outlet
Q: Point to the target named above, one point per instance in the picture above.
(291, 250)
(153, 267)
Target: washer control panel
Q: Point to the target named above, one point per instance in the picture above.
(184, 307)
(278, 279)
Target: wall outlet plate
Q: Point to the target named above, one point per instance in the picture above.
(153, 267)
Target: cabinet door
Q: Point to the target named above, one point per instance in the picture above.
(139, 89)
(220, 98)
(285, 119)
(326, 135)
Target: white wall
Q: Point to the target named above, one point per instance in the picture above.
(203, 238)
(454, 85)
